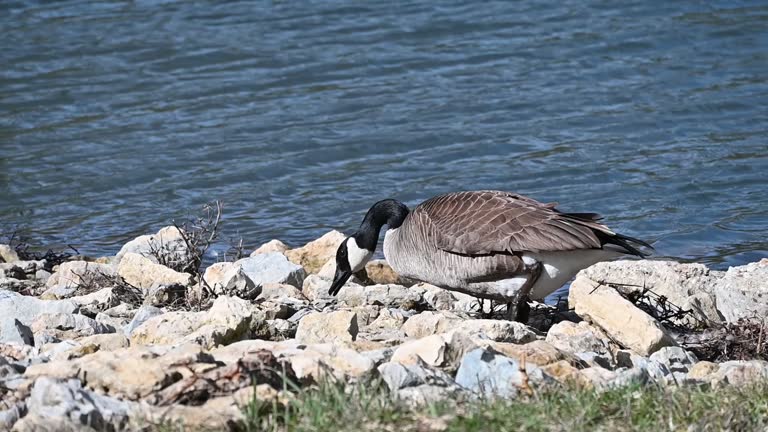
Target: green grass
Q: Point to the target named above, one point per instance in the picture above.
(369, 408)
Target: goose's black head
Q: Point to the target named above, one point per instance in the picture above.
(356, 250)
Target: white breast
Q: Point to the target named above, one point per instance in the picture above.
(560, 267)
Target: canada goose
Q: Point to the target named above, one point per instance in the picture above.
(490, 244)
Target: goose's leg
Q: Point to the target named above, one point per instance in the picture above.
(519, 312)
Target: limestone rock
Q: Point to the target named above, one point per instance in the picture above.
(15, 331)
(538, 352)
(491, 374)
(315, 288)
(676, 281)
(271, 267)
(379, 272)
(429, 323)
(141, 272)
(228, 320)
(418, 383)
(317, 361)
(168, 245)
(675, 358)
(226, 278)
(271, 291)
(273, 245)
(625, 323)
(68, 326)
(319, 327)
(8, 254)
(144, 313)
(76, 274)
(381, 295)
(26, 309)
(740, 373)
(743, 292)
(432, 350)
(575, 338)
(314, 254)
(497, 330)
(388, 319)
(440, 299)
(106, 341)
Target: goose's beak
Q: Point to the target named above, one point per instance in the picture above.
(339, 279)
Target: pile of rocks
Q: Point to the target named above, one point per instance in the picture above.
(74, 354)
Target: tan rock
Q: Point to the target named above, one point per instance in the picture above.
(319, 327)
(740, 373)
(277, 290)
(703, 371)
(317, 361)
(429, 323)
(314, 254)
(379, 272)
(168, 244)
(576, 338)
(430, 349)
(141, 272)
(227, 321)
(82, 274)
(8, 254)
(388, 319)
(108, 341)
(538, 352)
(131, 373)
(625, 323)
(273, 245)
(566, 373)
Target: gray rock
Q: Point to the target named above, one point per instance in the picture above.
(575, 338)
(144, 313)
(27, 309)
(118, 316)
(675, 358)
(594, 359)
(12, 271)
(26, 286)
(657, 371)
(438, 298)
(10, 416)
(68, 326)
(743, 292)
(272, 267)
(604, 379)
(389, 295)
(95, 302)
(398, 376)
(17, 332)
(379, 356)
(226, 278)
(53, 401)
(741, 373)
(490, 374)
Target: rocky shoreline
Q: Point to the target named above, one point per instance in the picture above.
(141, 339)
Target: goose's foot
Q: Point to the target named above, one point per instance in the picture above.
(519, 312)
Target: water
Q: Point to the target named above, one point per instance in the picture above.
(119, 116)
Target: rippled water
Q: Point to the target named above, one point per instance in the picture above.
(117, 116)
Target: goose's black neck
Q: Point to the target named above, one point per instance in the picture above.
(387, 212)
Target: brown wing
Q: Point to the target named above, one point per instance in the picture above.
(484, 222)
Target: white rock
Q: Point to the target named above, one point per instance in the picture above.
(226, 278)
(382, 295)
(68, 326)
(8, 254)
(743, 292)
(272, 268)
(497, 330)
(675, 358)
(27, 309)
(168, 243)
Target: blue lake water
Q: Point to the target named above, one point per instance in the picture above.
(118, 116)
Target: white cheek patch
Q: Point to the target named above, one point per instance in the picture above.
(357, 256)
